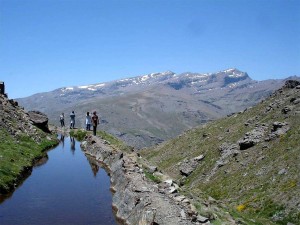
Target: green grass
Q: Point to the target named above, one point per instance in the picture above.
(269, 213)
(113, 141)
(150, 176)
(18, 153)
(78, 134)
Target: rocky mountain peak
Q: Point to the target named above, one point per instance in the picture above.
(233, 72)
(225, 78)
(229, 77)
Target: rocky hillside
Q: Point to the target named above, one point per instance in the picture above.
(24, 136)
(248, 162)
(149, 109)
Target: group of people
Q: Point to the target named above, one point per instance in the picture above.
(89, 120)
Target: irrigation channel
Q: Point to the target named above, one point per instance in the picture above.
(68, 188)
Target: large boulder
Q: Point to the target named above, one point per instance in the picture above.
(188, 166)
(39, 120)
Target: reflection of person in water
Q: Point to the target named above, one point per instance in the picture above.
(62, 139)
(95, 167)
(72, 139)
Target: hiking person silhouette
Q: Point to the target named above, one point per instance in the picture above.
(88, 120)
(62, 119)
(72, 117)
(95, 122)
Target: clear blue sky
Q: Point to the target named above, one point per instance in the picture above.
(47, 44)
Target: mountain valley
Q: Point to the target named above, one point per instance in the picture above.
(146, 110)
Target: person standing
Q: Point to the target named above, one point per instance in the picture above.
(88, 120)
(62, 119)
(95, 122)
(72, 117)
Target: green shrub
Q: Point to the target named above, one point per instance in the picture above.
(152, 177)
(78, 134)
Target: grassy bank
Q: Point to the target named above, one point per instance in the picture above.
(17, 155)
(80, 135)
(113, 141)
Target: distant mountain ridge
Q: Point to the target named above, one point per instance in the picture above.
(186, 79)
(113, 85)
(145, 110)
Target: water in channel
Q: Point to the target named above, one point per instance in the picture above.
(68, 189)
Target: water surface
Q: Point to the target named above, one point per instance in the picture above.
(67, 189)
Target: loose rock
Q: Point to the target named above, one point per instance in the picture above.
(40, 120)
(188, 166)
(202, 219)
(253, 137)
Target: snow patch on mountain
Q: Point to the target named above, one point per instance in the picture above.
(100, 85)
(229, 70)
(82, 87)
(67, 89)
(234, 73)
(176, 81)
(233, 85)
(90, 87)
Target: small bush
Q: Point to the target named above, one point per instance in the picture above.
(79, 134)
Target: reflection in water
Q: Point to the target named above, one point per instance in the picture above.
(62, 140)
(41, 161)
(72, 139)
(66, 189)
(94, 165)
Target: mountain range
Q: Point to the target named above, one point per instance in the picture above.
(148, 109)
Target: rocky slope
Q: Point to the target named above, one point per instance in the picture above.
(248, 162)
(24, 136)
(137, 199)
(149, 109)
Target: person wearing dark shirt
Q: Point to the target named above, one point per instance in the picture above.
(95, 122)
